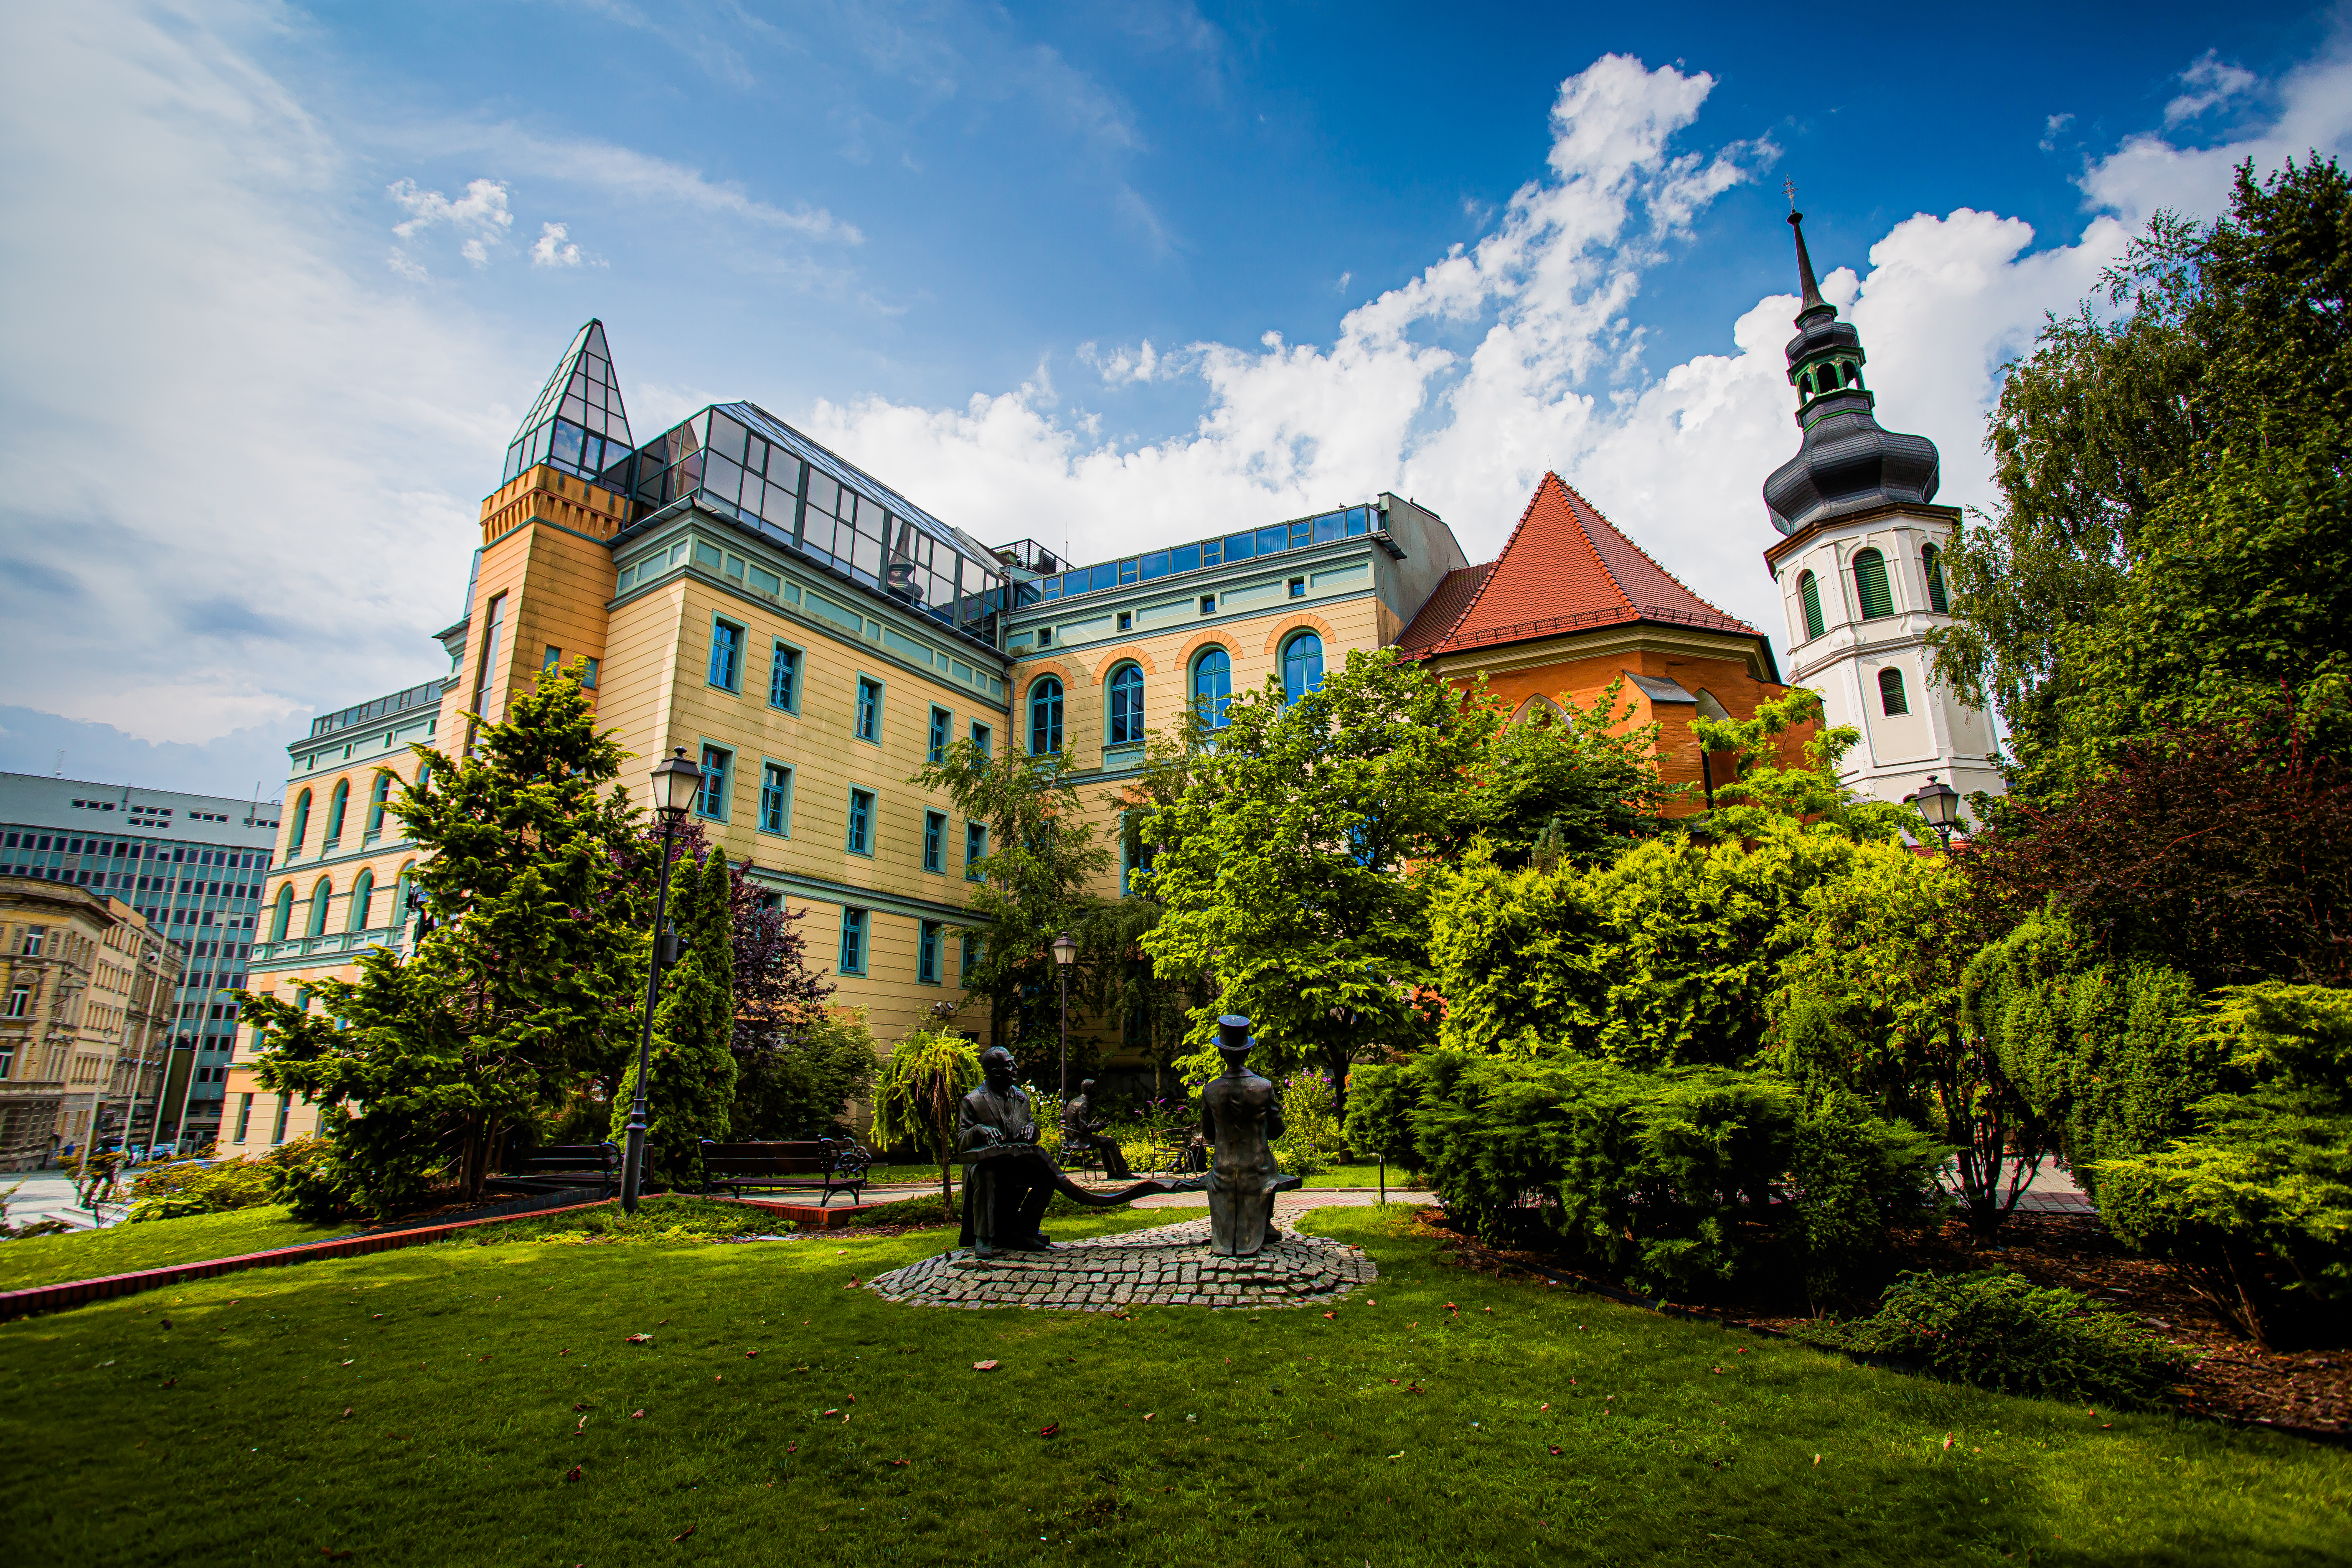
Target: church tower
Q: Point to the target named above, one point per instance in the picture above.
(1860, 566)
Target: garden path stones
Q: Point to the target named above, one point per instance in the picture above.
(1168, 1267)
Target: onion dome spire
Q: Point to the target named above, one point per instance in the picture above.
(1847, 462)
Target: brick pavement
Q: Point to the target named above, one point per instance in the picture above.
(1169, 1266)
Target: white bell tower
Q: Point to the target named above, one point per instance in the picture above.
(1860, 569)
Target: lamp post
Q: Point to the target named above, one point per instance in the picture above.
(1066, 953)
(1940, 805)
(675, 781)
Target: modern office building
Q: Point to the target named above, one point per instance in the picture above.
(809, 637)
(1861, 569)
(192, 866)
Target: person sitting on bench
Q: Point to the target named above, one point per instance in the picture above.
(1080, 1131)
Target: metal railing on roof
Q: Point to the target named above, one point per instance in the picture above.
(427, 695)
(1711, 619)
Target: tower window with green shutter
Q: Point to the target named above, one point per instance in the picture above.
(1870, 585)
(1932, 560)
(1809, 596)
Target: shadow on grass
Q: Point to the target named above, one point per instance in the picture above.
(478, 1377)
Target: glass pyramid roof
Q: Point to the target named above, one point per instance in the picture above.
(578, 423)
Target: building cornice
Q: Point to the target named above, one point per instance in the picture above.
(1925, 511)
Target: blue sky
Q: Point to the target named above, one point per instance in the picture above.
(280, 281)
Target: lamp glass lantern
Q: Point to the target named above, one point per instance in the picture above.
(1065, 949)
(675, 783)
(1940, 804)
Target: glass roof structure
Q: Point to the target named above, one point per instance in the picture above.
(739, 461)
(578, 423)
(1349, 523)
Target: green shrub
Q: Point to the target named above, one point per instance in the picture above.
(1647, 1175)
(1311, 1143)
(190, 1186)
(307, 1175)
(2255, 1206)
(1998, 1331)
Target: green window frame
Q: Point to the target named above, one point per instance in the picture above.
(362, 895)
(338, 805)
(935, 840)
(710, 800)
(1302, 666)
(861, 822)
(1045, 716)
(775, 798)
(1871, 588)
(1931, 565)
(1808, 599)
(785, 678)
(869, 709)
(1892, 701)
(726, 653)
(853, 941)
(975, 849)
(935, 751)
(378, 799)
(1126, 706)
(927, 954)
(983, 740)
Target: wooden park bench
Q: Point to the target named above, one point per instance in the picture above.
(560, 1165)
(831, 1164)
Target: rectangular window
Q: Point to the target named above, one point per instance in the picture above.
(1208, 604)
(975, 849)
(775, 798)
(277, 1134)
(554, 660)
(1298, 587)
(853, 942)
(710, 800)
(1127, 620)
(1044, 637)
(726, 654)
(20, 1001)
(869, 709)
(861, 822)
(927, 954)
(486, 671)
(980, 739)
(784, 678)
(588, 677)
(940, 723)
(244, 1116)
(969, 955)
(935, 843)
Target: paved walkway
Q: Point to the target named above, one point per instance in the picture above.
(49, 1194)
(1169, 1266)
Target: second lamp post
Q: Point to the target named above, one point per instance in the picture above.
(1066, 952)
(675, 781)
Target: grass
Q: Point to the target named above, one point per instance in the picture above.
(127, 1249)
(1337, 1176)
(426, 1406)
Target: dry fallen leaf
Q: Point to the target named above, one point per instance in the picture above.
(572, 1474)
(1817, 1458)
(682, 1534)
(1555, 1447)
(1049, 1431)
(750, 1355)
(983, 1366)
(1331, 1314)
(852, 1283)
(347, 1363)
(635, 1340)
(1947, 1439)
(1544, 1407)
(347, 1412)
(636, 1415)
(834, 1412)
(1149, 1417)
(900, 1464)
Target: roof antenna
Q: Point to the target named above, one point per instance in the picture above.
(1790, 186)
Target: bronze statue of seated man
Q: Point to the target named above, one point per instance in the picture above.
(1008, 1180)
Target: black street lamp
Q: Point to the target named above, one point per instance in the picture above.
(675, 781)
(1066, 953)
(1940, 805)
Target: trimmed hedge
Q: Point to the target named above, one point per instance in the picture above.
(1648, 1175)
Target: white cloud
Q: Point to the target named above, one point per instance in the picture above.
(2212, 82)
(1677, 460)
(620, 171)
(483, 208)
(2051, 129)
(551, 249)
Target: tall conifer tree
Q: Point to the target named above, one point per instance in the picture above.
(690, 1093)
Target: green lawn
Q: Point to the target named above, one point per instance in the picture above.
(426, 1406)
(1337, 1176)
(126, 1248)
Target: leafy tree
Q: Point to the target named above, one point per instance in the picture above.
(1568, 783)
(1290, 868)
(522, 990)
(1764, 788)
(2165, 467)
(2222, 850)
(690, 1088)
(1871, 1002)
(915, 1096)
(1042, 859)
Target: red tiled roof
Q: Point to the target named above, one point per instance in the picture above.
(1564, 568)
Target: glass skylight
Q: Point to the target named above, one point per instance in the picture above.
(578, 423)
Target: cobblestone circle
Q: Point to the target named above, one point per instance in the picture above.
(1170, 1265)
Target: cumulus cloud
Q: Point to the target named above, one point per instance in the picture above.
(480, 215)
(553, 249)
(2212, 82)
(1541, 313)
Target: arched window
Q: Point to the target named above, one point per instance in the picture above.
(283, 916)
(1808, 595)
(1045, 717)
(1870, 585)
(1127, 705)
(320, 897)
(1302, 666)
(397, 916)
(1890, 693)
(336, 804)
(362, 895)
(1931, 561)
(301, 825)
(378, 798)
(1212, 687)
